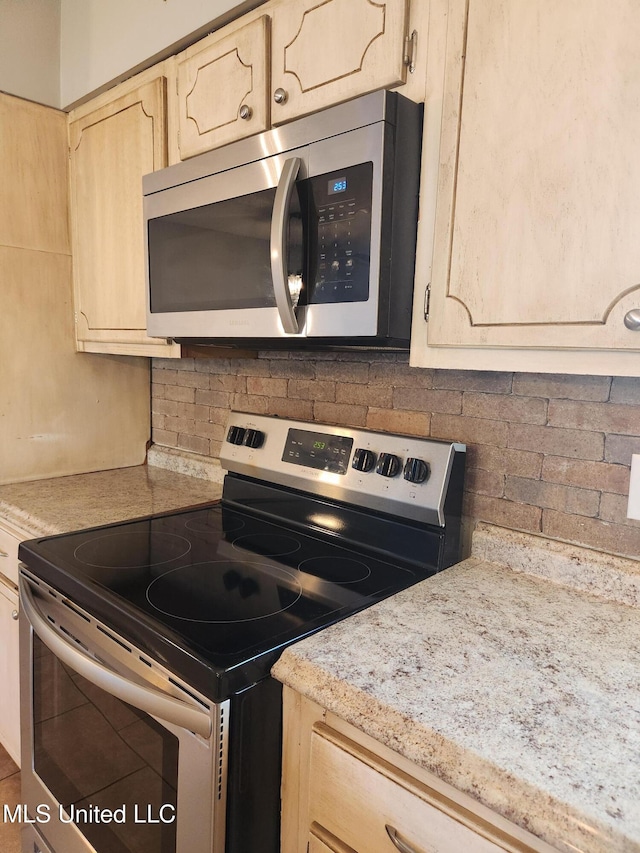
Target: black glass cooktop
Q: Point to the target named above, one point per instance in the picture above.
(215, 592)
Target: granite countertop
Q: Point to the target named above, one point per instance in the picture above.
(514, 676)
(61, 504)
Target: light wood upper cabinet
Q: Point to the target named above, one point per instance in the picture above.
(112, 145)
(538, 191)
(287, 59)
(327, 52)
(223, 88)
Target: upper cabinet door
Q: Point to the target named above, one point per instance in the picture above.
(327, 52)
(111, 148)
(538, 197)
(223, 88)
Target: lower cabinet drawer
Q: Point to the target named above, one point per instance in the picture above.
(373, 808)
(317, 845)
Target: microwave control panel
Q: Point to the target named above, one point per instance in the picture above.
(341, 206)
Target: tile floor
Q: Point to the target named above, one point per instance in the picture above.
(9, 795)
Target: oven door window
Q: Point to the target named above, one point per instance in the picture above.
(112, 767)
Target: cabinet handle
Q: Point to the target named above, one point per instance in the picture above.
(246, 112)
(3, 554)
(632, 319)
(280, 96)
(15, 615)
(400, 845)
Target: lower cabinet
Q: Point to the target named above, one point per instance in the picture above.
(343, 792)
(9, 660)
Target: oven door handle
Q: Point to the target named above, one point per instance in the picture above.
(152, 702)
(280, 245)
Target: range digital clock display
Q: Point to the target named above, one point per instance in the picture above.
(318, 450)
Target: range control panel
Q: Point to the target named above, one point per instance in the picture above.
(397, 474)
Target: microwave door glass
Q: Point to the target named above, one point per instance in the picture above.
(217, 257)
(213, 258)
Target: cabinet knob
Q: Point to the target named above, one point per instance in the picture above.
(632, 319)
(245, 112)
(280, 96)
(14, 615)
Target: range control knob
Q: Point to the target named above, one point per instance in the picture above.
(363, 459)
(253, 438)
(416, 470)
(236, 435)
(389, 465)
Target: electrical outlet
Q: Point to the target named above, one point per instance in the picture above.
(633, 507)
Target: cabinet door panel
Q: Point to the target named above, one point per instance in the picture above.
(216, 79)
(328, 52)
(110, 150)
(9, 673)
(539, 192)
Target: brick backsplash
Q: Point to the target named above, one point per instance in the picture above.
(546, 453)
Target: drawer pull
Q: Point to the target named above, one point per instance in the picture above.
(632, 319)
(3, 554)
(401, 845)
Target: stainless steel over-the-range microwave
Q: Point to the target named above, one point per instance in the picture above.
(304, 234)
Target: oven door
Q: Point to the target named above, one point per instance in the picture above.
(118, 755)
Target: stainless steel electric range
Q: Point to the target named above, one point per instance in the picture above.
(151, 722)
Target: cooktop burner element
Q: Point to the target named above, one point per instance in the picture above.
(315, 523)
(336, 569)
(207, 521)
(224, 592)
(269, 544)
(132, 550)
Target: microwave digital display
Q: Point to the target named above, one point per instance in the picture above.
(336, 185)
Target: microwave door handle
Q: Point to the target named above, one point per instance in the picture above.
(279, 245)
(153, 702)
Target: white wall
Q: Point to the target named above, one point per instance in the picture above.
(30, 49)
(101, 40)
(58, 51)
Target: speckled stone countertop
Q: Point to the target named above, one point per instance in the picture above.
(61, 504)
(514, 676)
